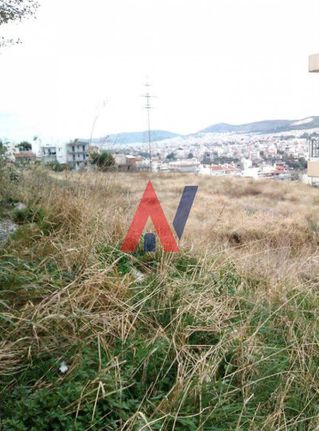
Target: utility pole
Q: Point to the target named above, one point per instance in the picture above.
(148, 107)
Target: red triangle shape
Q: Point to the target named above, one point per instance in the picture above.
(149, 206)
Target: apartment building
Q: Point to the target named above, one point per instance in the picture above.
(77, 152)
(49, 154)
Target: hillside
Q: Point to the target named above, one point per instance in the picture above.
(127, 138)
(134, 137)
(268, 126)
(222, 336)
(259, 127)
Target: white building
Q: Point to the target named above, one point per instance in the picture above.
(245, 163)
(50, 150)
(54, 154)
(48, 154)
(251, 173)
(189, 165)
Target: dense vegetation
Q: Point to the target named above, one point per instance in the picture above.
(104, 160)
(192, 341)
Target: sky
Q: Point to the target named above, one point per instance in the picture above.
(207, 61)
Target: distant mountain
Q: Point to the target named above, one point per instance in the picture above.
(259, 127)
(268, 126)
(136, 137)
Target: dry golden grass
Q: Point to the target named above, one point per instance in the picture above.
(223, 336)
(267, 227)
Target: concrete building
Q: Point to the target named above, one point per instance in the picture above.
(189, 165)
(77, 153)
(25, 156)
(245, 163)
(61, 154)
(251, 173)
(48, 154)
(224, 170)
(49, 149)
(126, 162)
(53, 153)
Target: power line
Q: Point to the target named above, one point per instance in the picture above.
(148, 107)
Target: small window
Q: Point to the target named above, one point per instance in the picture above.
(314, 148)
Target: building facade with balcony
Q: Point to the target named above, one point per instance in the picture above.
(77, 153)
(49, 154)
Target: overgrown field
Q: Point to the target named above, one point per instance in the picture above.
(223, 336)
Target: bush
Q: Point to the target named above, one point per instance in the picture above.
(104, 160)
(57, 167)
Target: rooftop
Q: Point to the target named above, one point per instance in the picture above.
(24, 154)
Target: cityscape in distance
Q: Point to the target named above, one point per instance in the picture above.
(277, 149)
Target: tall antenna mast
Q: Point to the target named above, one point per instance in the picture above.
(148, 108)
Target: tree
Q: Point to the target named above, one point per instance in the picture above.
(302, 163)
(15, 10)
(24, 146)
(104, 160)
(171, 156)
(144, 154)
(207, 159)
(12, 10)
(3, 151)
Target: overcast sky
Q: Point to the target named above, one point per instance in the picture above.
(208, 61)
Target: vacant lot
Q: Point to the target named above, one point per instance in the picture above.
(223, 336)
